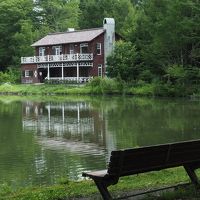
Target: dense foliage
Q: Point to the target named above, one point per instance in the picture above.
(166, 37)
(161, 37)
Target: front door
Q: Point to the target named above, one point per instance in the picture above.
(42, 74)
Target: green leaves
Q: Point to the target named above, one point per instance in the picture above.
(123, 61)
(23, 21)
(14, 21)
(59, 15)
(94, 11)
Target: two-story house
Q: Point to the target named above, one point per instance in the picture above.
(70, 56)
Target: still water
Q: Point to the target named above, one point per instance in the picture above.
(43, 140)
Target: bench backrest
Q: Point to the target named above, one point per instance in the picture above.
(139, 160)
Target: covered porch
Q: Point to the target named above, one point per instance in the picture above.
(59, 74)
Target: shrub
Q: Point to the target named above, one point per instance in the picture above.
(106, 85)
(144, 89)
(4, 77)
(10, 76)
(95, 82)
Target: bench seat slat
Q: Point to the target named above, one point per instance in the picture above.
(99, 173)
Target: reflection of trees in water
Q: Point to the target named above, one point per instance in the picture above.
(74, 135)
(16, 148)
(153, 121)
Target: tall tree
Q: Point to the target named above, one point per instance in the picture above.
(122, 62)
(94, 11)
(27, 21)
(58, 15)
(167, 33)
(14, 22)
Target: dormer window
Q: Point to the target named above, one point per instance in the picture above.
(84, 48)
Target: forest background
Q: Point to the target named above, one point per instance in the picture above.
(161, 38)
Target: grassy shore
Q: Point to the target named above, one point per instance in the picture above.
(70, 189)
(44, 89)
(99, 86)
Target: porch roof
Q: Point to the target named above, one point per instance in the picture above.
(69, 37)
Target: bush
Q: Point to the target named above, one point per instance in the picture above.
(106, 85)
(142, 89)
(4, 77)
(95, 82)
(10, 76)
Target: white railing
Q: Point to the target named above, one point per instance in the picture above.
(57, 58)
(72, 79)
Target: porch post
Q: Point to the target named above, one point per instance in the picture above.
(49, 116)
(62, 72)
(48, 72)
(78, 117)
(77, 67)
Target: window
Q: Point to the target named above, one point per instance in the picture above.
(42, 51)
(84, 48)
(100, 70)
(98, 48)
(28, 73)
(71, 48)
(56, 50)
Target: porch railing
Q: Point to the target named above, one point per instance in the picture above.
(71, 79)
(57, 58)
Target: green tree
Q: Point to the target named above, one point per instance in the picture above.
(167, 33)
(15, 30)
(58, 15)
(176, 73)
(123, 62)
(24, 21)
(94, 11)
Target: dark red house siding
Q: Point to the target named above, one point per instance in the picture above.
(30, 67)
(98, 59)
(69, 71)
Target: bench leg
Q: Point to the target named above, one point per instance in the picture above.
(191, 173)
(103, 190)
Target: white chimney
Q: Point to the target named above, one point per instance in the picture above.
(70, 29)
(109, 38)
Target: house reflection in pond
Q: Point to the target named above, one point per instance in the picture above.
(74, 126)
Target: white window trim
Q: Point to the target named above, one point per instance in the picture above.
(83, 45)
(71, 49)
(58, 50)
(100, 69)
(27, 73)
(99, 48)
(42, 51)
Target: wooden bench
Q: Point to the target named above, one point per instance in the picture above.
(145, 159)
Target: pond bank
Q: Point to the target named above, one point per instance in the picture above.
(101, 87)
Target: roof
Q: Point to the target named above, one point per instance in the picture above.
(69, 37)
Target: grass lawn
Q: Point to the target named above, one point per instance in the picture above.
(70, 190)
(43, 89)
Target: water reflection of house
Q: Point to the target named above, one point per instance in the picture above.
(66, 124)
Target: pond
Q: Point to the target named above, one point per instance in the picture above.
(43, 140)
